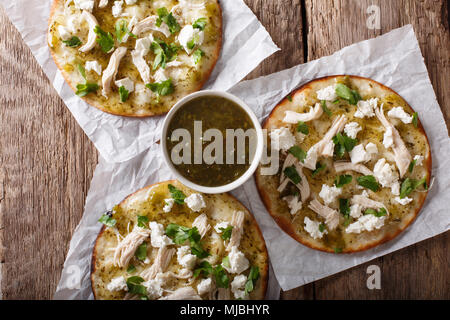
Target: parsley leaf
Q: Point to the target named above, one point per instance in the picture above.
(411, 166)
(142, 221)
(198, 54)
(297, 152)
(343, 143)
(226, 232)
(253, 276)
(141, 252)
(302, 127)
(200, 24)
(83, 89)
(72, 42)
(180, 235)
(204, 269)
(380, 213)
(346, 93)
(176, 194)
(322, 227)
(104, 39)
(123, 93)
(342, 180)
(292, 174)
(409, 185)
(82, 71)
(319, 167)
(344, 207)
(368, 182)
(222, 280)
(415, 119)
(107, 220)
(163, 53)
(167, 17)
(162, 88)
(325, 108)
(135, 287)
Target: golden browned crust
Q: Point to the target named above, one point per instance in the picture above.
(286, 225)
(98, 105)
(264, 274)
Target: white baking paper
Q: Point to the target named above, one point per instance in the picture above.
(245, 44)
(394, 60)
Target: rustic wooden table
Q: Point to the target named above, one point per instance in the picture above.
(47, 162)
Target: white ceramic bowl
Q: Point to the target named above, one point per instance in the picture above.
(258, 151)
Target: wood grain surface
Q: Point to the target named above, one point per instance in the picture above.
(47, 162)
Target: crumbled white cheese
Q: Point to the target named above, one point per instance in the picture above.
(328, 93)
(127, 83)
(399, 113)
(386, 175)
(312, 227)
(300, 137)
(366, 107)
(93, 66)
(388, 139)
(223, 225)
(359, 154)
(329, 194)
(418, 159)
(237, 285)
(293, 203)
(371, 148)
(351, 129)
(117, 8)
(403, 201)
(195, 202)
(355, 210)
(142, 95)
(367, 222)
(204, 286)
(160, 75)
(117, 284)
(395, 188)
(74, 22)
(168, 205)
(130, 2)
(143, 45)
(238, 261)
(283, 138)
(158, 237)
(189, 34)
(84, 4)
(185, 258)
(154, 287)
(64, 33)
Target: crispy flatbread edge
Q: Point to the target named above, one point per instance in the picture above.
(285, 224)
(98, 105)
(264, 274)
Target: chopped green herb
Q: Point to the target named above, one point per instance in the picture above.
(226, 232)
(325, 108)
(344, 207)
(342, 180)
(135, 287)
(380, 213)
(200, 24)
(368, 182)
(337, 250)
(336, 101)
(162, 88)
(226, 262)
(204, 269)
(123, 93)
(142, 221)
(176, 194)
(411, 166)
(167, 17)
(289, 97)
(72, 42)
(409, 185)
(346, 93)
(141, 252)
(104, 39)
(131, 269)
(83, 89)
(319, 168)
(107, 220)
(297, 152)
(415, 119)
(302, 127)
(343, 143)
(163, 53)
(253, 276)
(198, 54)
(322, 227)
(292, 174)
(82, 71)
(222, 280)
(180, 235)
(122, 30)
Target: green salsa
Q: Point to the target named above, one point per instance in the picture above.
(220, 114)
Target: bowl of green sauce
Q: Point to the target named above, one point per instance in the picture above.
(212, 141)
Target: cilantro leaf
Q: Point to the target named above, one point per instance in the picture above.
(162, 88)
(346, 93)
(226, 232)
(368, 182)
(104, 39)
(322, 227)
(204, 269)
(198, 54)
(200, 24)
(123, 93)
(107, 220)
(409, 185)
(180, 235)
(325, 109)
(226, 262)
(122, 30)
(72, 42)
(344, 207)
(380, 213)
(415, 119)
(253, 276)
(167, 17)
(222, 280)
(141, 252)
(342, 180)
(82, 71)
(142, 221)
(84, 89)
(292, 174)
(302, 127)
(319, 167)
(135, 286)
(289, 97)
(343, 143)
(297, 152)
(411, 166)
(176, 194)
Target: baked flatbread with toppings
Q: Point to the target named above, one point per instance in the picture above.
(354, 164)
(135, 58)
(168, 242)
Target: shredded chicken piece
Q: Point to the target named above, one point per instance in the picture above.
(289, 161)
(92, 36)
(330, 215)
(110, 72)
(201, 222)
(149, 23)
(160, 265)
(220, 294)
(126, 248)
(401, 154)
(348, 166)
(237, 221)
(142, 66)
(186, 293)
(325, 147)
(103, 3)
(365, 202)
(295, 117)
(131, 296)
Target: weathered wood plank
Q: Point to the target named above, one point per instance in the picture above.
(419, 271)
